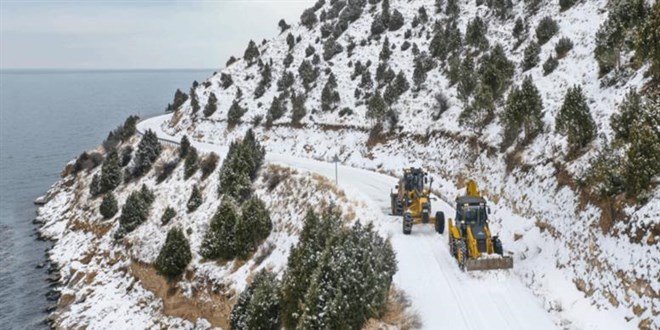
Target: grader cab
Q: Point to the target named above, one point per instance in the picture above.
(412, 200)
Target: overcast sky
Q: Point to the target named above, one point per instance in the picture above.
(135, 34)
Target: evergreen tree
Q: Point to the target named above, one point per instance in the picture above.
(643, 163)
(109, 206)
(226, 80)
(235, 114)
(385, 11)
(126, 156)
(467, 81)
(519, 29)
(264, 83)
(502, 8)
(475, 34)
(298, 110)
(423, 63)
(646, 41)
(531, 56)
(179, 98)
(110, 173)
(209, 164)
(175, 254)
(168, 215)
(550, 65)
(629, 111)
(438, 6)
(148, 151)
(566, 4)
(95, 185)
(308, 74)
(195, 199)
(329, 95)
(574, 120)
(385, 51)
(309, 51)
(254, 211)
(523, 111)
(147, 195)
(218, 242)
(365, 82)
(308, 18)
(396, 21)
(481, 111)
(251, 53)
(378, 25)
(377, 109)
(331, 48)
(134, 212)
(290, 41)
(496, 71)
(288, 60)
(211, 105)
(277, 109)
(286, 81)
(258, 306)
(399, 86)
(564, 45)
(194, 101)
(190, 165)
(302, 262)
(453, 9)
(283, 26)
(184, 146)
(546, 29)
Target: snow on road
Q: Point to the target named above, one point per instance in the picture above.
(444, 296)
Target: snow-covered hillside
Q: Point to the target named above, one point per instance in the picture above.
(557, 235)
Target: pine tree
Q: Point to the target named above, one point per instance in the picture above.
(288, 60)
(385, 51)
(211, 105)
(195, 199)
(481, 111)
(298, 110)
(308, 74)
(95, 185)
(276, 110)
(254, 209)
(226, 80)
(366, 82)
(646, 41)
(283, 26)
(629, 111)
(467, 81)
(531, 56)
(377, 108)
(331, 48)
(194, 101)
(110, 173)
(134, 212)
(574, 120)
(546, 29)
(399, 86)
(258, 306)
(329, 95)
(290, 41)
(453, 9)
(184, 146)
(643, 163)
(519, 29)
(109, 206)
(209, 165)
(396, 21)
(523, 111)
(251, 53)
(286, 81)
(234, 114)
(191, 164)
(308, 18)
(475, 34)
(148, 151)
(168, 215)
(566, 4)
(302, 261)
(218, 242)
(564, 45)
(423, 63)
(179, 98)
(550, 65)
(496, 71)
(175, 254)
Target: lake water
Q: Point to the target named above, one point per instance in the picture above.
(46, 119)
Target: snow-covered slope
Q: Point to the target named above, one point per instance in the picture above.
(562, 253)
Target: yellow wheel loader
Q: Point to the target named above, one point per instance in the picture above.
(470, 239)
(411, 200)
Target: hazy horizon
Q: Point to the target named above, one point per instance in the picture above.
(143, 35)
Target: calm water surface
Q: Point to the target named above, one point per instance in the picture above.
(46, 119)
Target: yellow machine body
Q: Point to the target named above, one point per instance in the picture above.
(470, 238)
(412, 200)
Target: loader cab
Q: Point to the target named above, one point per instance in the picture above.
(471, 211)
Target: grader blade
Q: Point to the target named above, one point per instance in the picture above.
(489, 263)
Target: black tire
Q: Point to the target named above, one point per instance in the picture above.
(406, 221)
(425, 217)
(439, 222)
(393, 204)
(497, 246)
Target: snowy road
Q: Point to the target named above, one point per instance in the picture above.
(444, 297)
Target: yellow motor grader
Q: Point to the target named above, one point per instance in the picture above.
(470, 239)
(411, 199)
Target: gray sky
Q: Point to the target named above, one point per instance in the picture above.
(136, 34)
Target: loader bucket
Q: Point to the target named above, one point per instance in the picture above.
(489, 263)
